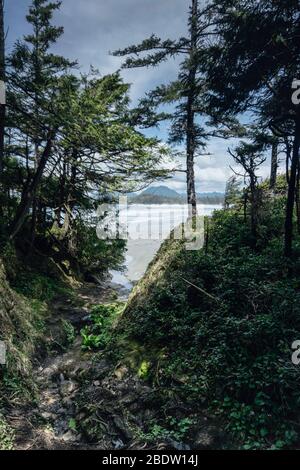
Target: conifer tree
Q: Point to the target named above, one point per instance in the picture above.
(251, 64)
(2, 79)
(186, 93)
(232, 192)
(72, 136)
(35, 92)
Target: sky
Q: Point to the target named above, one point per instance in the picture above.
(93, 28)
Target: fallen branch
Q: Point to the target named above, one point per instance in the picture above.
(216, 299)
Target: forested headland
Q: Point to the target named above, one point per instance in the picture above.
(200, 354)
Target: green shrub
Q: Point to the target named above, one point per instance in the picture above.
(22, 329)
(228, 345)
(69, 332)
(37, 286)
(6, 435)
(95, 255)
(98, 335)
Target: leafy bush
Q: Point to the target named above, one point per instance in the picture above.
(22, 325)
(174, 429)
(228, 345)
(69, 332)
(6, 435)
(37, 286)
(98, 335)
(95, 255)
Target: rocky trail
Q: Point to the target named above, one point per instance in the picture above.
(51, 422)
(88, 404)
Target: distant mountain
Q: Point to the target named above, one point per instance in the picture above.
(162, 191)
(165, 195)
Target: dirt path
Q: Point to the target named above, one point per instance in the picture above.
(51, 423)
(84, 402)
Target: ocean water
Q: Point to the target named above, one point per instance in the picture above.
(148, 226)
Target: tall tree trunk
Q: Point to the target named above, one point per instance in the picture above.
(72, 235)
(68, 229)
(33, 226)
(298, 197)
(292, 192)
(30, 191)
(274, 165)
(255, 205)
(190, 132)
(288, 159)
(245, 201)
(2, 79)
(61, 198)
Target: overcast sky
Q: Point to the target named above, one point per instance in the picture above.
(95, 27)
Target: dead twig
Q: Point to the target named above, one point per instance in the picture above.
(216, 299)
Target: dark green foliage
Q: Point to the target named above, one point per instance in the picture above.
(232, 352)
(175, 429)
(251, 64)
(98, 335)
(6, 435)
(94, 255)
(69, 333)
(232, 192)
(254, 47)
(22, 328)
(36, 286)
(70, 142)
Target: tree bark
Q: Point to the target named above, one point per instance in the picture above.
(2, 78)
(61, 199)
(255, 206)
(274, 165)
(190, 132)
(29, 193)
(245, 200)
(287, 160)
(298, 197)
(292, 192)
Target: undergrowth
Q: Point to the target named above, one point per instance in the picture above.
(227, 345)
(98, 335)
(6, 435)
